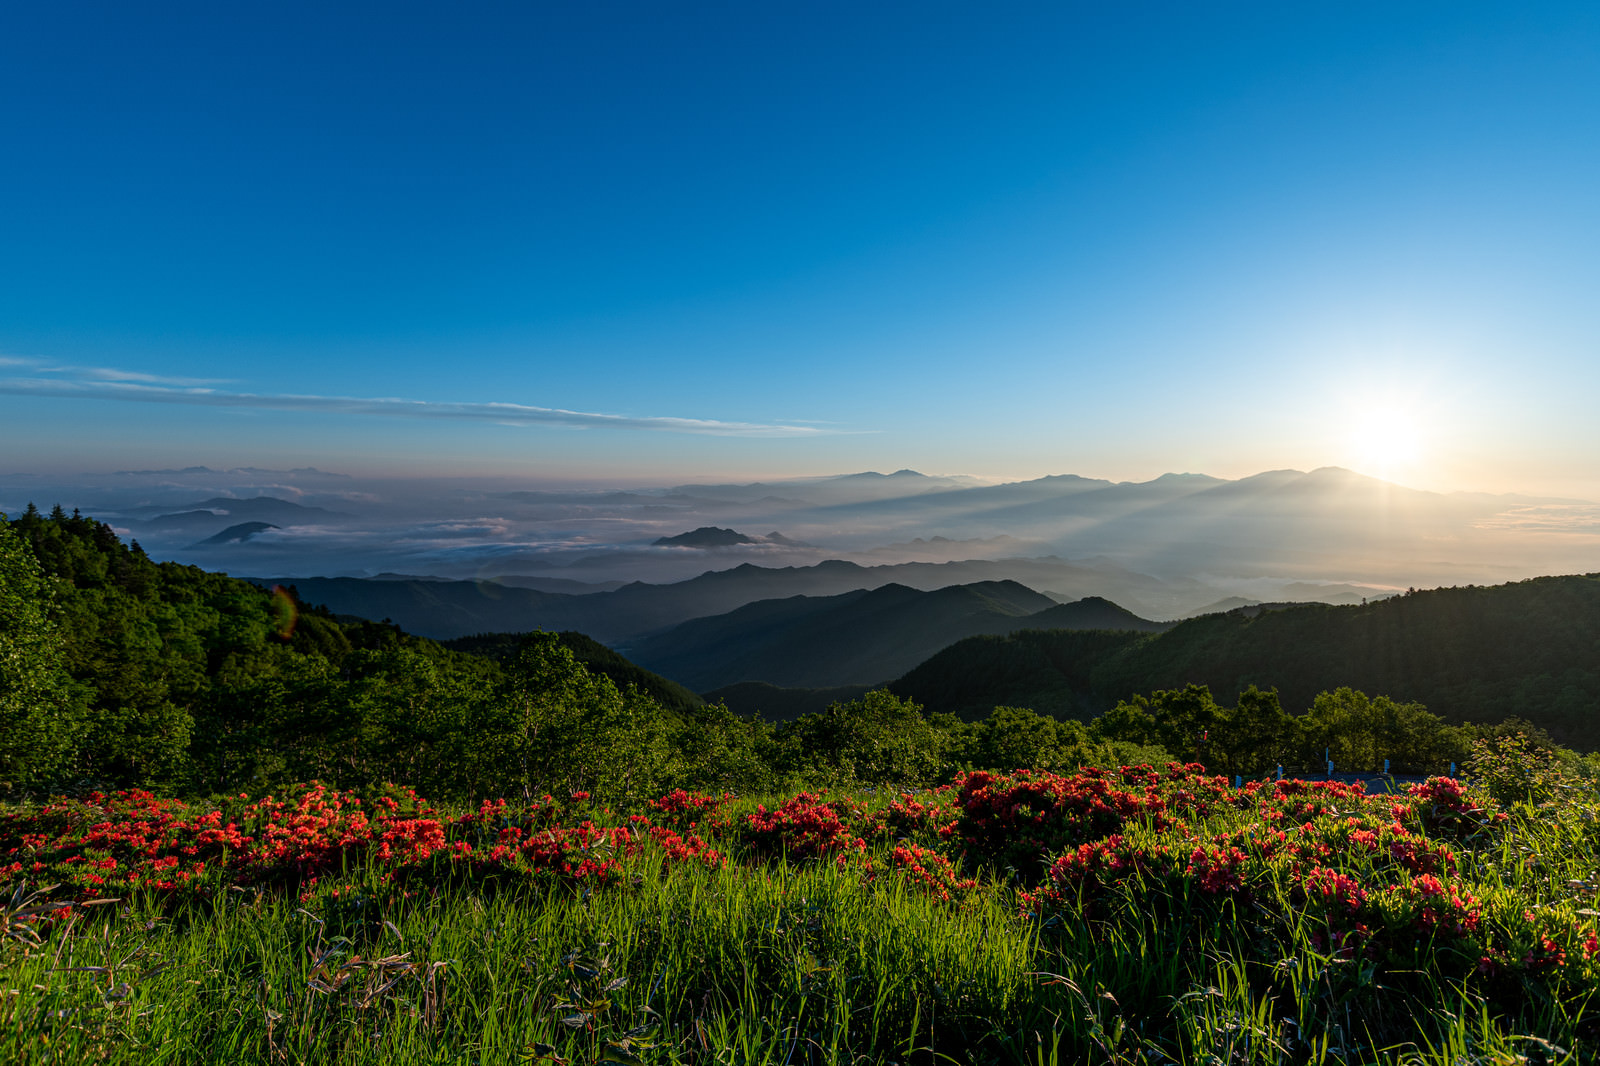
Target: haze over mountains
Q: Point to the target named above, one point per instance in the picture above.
(966, 636)
(857, 638)
(1163, 548)
(447, 609)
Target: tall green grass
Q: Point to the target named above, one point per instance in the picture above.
(777, 963)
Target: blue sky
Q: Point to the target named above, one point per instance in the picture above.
(751, 240)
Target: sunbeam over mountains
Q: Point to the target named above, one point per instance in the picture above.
(1163, 548)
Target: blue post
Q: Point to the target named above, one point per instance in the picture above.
(1452, 769)
(1280, 771)
(1386, 766)
(1330, 767)
(1238, 782)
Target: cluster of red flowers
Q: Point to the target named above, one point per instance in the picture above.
(689, 847)
(931, 871)
(1084, 873)
(1441, 807)
(1365, 868)
(110, 845)
(681, 809)
(806, 827)
(908, 817)
(1217, 870)
(1021, 820)
(1374, 873)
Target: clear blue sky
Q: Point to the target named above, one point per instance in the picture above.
(767, 239)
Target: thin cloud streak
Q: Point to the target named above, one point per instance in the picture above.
(117, 385)
(102, 373)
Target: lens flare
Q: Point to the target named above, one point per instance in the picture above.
(285, 612)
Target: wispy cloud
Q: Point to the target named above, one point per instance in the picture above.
(44, 379)
(61, 372)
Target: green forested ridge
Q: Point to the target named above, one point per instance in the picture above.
(862, 637)
(1529, 649)
(119, 671)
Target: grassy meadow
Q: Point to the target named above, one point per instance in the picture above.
(1124, 916)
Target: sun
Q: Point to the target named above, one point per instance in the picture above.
(1388, 442)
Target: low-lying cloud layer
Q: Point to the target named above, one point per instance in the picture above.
(1163, 547)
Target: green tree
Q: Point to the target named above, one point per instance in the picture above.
(1359, 732)
(876, 739)
(551, 726)
(714, 749)
(1254, 737)
(1016, 738)
(41, 716)
(1129, 722)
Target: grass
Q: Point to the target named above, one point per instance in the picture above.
(1162, 947)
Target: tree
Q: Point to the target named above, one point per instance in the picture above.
(551, 726)
(1257, 735)
(1359, 732)
(1016, 738)
(40, 713)
(876, 739)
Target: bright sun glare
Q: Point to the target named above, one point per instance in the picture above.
(1388, 442)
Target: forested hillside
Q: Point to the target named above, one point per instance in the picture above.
(118, 671)
(448, 609)
(858, 638)
(1530, 649)
(121, 671)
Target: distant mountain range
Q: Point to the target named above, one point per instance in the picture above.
(1164, 548)
(856, 638)
(706, 537)
(446, 609)
(1325, 524)
(222, 520)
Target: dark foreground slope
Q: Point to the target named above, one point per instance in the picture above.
(1528, 649)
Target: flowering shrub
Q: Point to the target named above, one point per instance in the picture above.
(690, 810)
(1378, 877)
(907, 818)
(929, 870)
(1019, 820)
(805, 827)
(1086, 872)
(1441, 805)
(689, 848)
(111, 845)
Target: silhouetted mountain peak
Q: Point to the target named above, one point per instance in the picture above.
(1186, 479)
(706, 537)
(873, 475)
(237, 534)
